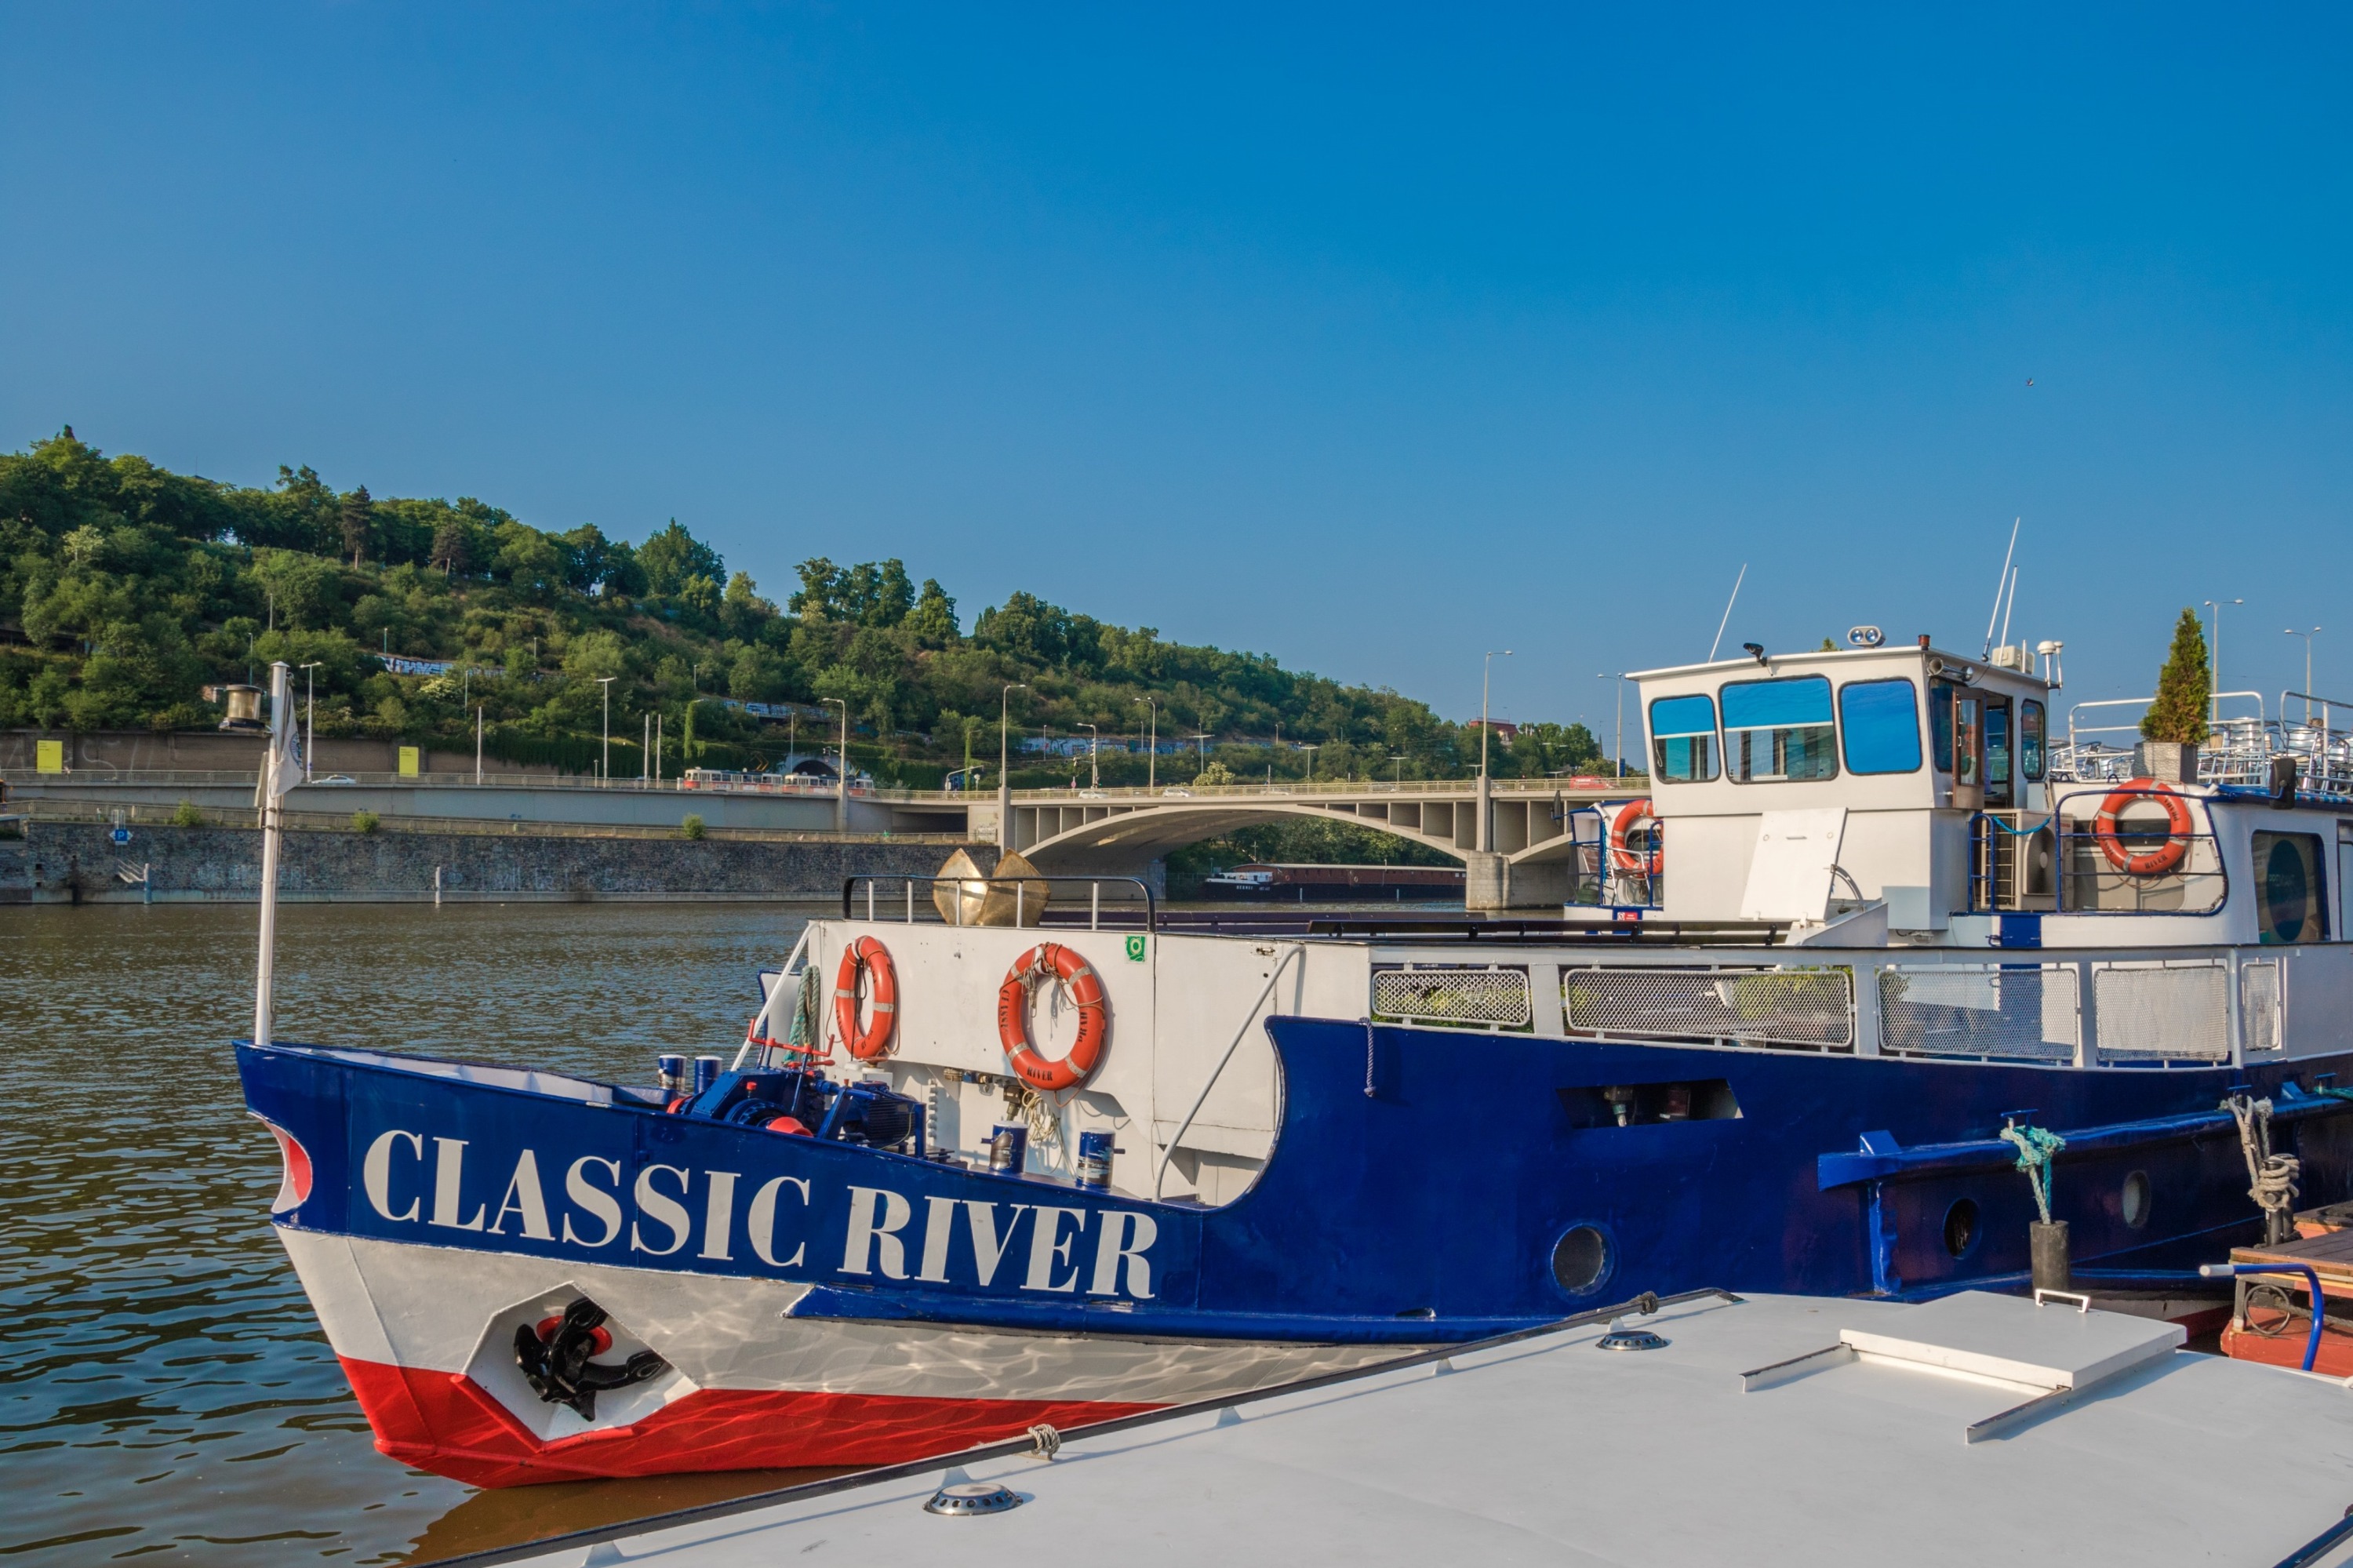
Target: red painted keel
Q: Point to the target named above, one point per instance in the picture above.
(445, 1422)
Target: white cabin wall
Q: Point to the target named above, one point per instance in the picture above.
(1707, 860)
(2316, 998)
(1205, 984)
(1172, 1015)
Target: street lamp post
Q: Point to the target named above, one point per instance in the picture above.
(1399, 757)
(2214, 668)
(841, 773)
(308, 736)
(2292, 631)
(1094, 746)
(1486, 671)
(605, 766)
(1152, 746)
(1619, 751)
(1311, 750)
(1005, 764)
(1201, 743)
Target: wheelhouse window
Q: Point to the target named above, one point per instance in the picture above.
(1879, 726)
(2029, 740)
(1778, 731)
(1940, 722)
(2288, 886)
(1682, 739)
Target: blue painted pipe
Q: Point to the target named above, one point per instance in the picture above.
(2319, 1302)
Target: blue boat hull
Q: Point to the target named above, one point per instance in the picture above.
(1425, 1186)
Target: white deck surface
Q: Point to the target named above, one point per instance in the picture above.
(1554, 1451)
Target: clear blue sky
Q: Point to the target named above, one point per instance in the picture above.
(1369, 338)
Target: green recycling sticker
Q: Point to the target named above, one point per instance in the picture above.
(1135, 950)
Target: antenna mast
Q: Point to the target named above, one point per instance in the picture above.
(2000, 584)
(1727, 612)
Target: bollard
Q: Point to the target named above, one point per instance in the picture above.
(2048, 1244)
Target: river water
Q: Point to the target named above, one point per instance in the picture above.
(166, 1394)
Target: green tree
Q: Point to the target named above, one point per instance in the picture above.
(2184, 687)
(357, 521)
(674, 557)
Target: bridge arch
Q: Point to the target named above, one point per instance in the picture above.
(1075, 834)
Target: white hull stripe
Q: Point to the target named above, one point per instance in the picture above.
(428, 1307)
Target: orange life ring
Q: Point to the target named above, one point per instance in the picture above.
(1646, 861)
(2178, 822)
(875, 1038)
(1013, 1017)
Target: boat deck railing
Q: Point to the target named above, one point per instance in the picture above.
(2239, 749)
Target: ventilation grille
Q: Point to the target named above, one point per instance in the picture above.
(2259, 1006)
(2176, 1013)
(1771, 1007)
(2021, 1010)
(1463, 995)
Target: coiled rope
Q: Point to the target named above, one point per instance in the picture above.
(2271, 1177)
(2036, 1145)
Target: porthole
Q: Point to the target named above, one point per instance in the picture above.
(1580, 1260)
(1961, 1227)
(2136, 1200)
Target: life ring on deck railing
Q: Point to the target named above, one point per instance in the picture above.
(870, 1040)
(2148, 863)
(1621, 856)
(1066, 967)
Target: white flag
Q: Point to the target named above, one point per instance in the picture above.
(284, 769)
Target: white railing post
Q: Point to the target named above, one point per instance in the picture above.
(1864, 979)
(1161, 1175)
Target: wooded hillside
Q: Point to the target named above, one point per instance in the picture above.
(126, 588)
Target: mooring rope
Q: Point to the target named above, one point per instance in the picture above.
(2036, 1145)
(2271, 1177)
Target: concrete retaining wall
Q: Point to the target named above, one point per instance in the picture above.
(100, 752)
(74, 862)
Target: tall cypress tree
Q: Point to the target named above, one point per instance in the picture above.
(358, 520)
(2183, 687)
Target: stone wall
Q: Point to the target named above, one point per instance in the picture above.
(101, 752)
(75, 862)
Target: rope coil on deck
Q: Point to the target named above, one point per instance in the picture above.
(2036, 1145)
(2272, 1178)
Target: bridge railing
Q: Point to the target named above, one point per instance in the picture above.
(1632, 784)
(984, 901)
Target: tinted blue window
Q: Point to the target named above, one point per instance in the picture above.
(1879, 726)
(1681, 715)
(1804, 700)
(1778, 731)
(1683, 740)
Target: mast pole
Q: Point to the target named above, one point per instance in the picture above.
(272, 787)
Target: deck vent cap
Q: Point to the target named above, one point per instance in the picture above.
(970, 1499)
(1621, 1338)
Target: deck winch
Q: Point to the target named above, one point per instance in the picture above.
(804, 1101)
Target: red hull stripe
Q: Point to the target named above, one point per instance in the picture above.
(445, 1422)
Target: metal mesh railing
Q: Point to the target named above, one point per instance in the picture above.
(2163, 1012)
(2029, 1011)
(1454, 994)
(2259, 1007)
(1809, 1007)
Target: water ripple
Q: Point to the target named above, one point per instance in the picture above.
(164, 1391)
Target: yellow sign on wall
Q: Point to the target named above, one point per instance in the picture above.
(409, 762)
(48, 756)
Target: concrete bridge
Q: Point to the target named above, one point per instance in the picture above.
(1514, 836)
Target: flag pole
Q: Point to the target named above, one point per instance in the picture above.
(274, 782)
